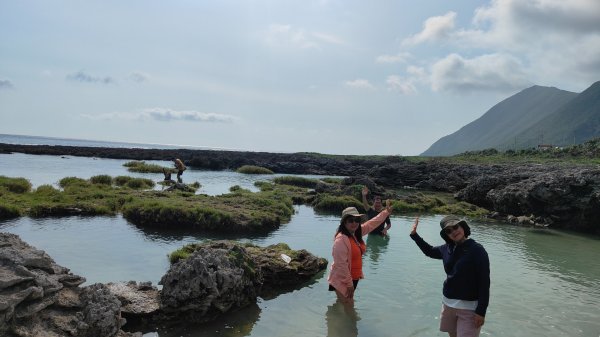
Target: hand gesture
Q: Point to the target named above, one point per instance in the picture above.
(388, 206)
(365, 191)
(414, 226)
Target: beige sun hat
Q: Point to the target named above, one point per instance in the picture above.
(350, 211)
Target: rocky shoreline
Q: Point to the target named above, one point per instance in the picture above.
(40, 298)
(559, 196)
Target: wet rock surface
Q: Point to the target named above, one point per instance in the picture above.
(40, 298)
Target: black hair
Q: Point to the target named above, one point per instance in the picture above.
(342, 229)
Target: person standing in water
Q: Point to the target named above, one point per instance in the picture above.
(180, 168)
(348, 249)
(466, 290)
(372, 211)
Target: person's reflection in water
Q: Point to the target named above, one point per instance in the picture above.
(342, 319)
(377, 246)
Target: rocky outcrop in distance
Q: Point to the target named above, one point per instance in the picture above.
(561, 196)
(293, 163)
(40, 298)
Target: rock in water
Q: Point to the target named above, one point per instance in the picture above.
(213, 280)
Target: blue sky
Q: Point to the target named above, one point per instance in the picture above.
(342, 77)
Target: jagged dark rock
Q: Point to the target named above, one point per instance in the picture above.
(218, 277)
(213, 280)
(40, 298)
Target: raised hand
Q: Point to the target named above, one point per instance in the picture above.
(365, 191)
(414, 226)
(388, 206)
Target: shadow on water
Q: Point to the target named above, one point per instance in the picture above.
(272, 293)
(341, 319)
(233, 324)
(178, 234)
(563, 254)
(376, 246)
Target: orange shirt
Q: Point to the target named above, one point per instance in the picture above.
(356, 264)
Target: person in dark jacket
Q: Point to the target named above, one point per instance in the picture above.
(466, 290)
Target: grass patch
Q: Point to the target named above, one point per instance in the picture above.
(296, 181)
(330, 180)
(9, 211)
(336, 204)
(251, 169)
(143, 167)
(101, 179)
(15, 185)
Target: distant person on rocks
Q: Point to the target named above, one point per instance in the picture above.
(180, 168)
(348, 250)
(372, 211)
(167, 173)
(466, 291)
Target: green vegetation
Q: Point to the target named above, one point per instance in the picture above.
(143, 167)
(183, 252)
(251, 169)
(296, 181)
(101, 179)
(240, 210)
(586, 153)
(335, 204)
(437, 203)
(332, 180)
(15, 185)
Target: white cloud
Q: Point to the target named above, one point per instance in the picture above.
(165, 115)
(398, 58)
(6, 84)
(493, 72)
(398, 84)
(434, 28)
(84, 77)
(286, 36)
(547, 42)
(137, 76)
(328, 38)
(359, 84)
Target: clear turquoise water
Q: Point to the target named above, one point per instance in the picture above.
(544, 282)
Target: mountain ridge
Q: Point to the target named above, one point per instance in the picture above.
(526, 119)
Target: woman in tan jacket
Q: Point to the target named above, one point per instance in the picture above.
(348, 249)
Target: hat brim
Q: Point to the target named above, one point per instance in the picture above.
(359, 215)
(464, 225)
(454, 223)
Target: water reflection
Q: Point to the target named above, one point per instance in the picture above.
(376, 246)
(166, 235)
(342, 319)
(272, 293)
(561, 255)
(233, 324)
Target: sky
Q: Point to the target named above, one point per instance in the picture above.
(331, 76)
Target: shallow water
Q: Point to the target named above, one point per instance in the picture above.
(544, 282)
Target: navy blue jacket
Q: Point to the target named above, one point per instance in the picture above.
(467, 269)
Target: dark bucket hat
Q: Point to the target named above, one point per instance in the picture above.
(450, 221)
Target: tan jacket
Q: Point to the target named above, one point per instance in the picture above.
(179, 165)
(339, 274)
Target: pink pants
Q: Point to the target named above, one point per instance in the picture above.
(458, 321)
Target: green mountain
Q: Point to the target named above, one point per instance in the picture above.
(506, 124)
(572, 123)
